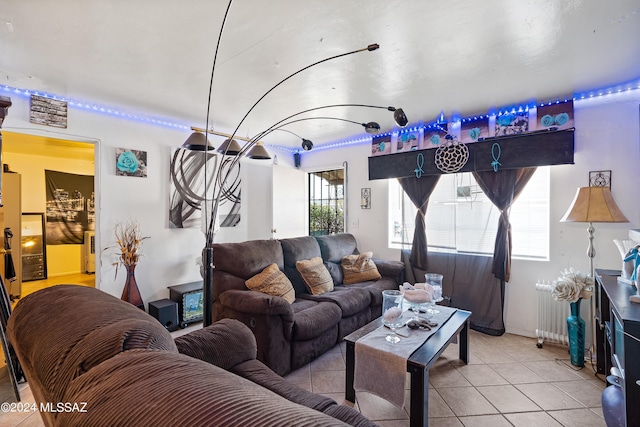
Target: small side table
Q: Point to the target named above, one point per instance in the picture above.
(190, 299)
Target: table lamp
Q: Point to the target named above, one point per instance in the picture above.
(593, 204)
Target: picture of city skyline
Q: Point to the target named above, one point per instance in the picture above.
(70, 207)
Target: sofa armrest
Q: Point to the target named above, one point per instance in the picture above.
(393, 269)
(253, 302)
(225, 343)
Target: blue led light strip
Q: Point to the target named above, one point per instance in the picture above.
(96, 108)
(89, 106)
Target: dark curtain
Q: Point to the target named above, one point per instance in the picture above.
(419, 190)
(467, 284)
(502, 188)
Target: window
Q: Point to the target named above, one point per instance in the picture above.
(460, 218)
(326, 202)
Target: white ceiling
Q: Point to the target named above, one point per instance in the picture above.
(154, 57)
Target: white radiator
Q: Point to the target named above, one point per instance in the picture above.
(552, 318)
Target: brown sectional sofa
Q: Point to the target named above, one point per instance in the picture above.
(291, 335)
(78, 345)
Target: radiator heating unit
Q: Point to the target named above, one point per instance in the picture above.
(552, 317)
(89, 251)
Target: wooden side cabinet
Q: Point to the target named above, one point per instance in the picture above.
(618, 338)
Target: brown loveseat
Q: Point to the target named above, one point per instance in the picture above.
(111, 364)
(291, 335)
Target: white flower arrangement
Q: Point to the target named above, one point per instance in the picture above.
(572, 285)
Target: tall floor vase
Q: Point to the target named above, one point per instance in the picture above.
(576, 328)
(131, 293)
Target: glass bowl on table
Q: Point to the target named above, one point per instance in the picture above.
(416, 296)
(392, 313)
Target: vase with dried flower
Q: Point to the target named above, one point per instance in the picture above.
(129, 240)
(573, 286)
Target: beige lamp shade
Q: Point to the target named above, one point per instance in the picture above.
(230, 147)
(593, 204)
(197, 141)
(258, 152)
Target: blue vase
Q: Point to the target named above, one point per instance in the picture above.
(575, 327)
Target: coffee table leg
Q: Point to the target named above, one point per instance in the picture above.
(350, 393)
(419, 413)
(464, 343)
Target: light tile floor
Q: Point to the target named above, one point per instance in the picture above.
(508, 382)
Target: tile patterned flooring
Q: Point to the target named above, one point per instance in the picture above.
(508, 382)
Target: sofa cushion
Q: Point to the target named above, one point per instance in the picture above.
(259, 373)
(335, 247)
(312, 318)
(297, 249)
(55, 349)
(150, 388)
(315, 275)
(272, 281)
(242, 261)
(225, 343)
(335, 270)
(351, 300)
(359, 268)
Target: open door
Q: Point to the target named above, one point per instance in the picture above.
(10, 370)
(289, 202)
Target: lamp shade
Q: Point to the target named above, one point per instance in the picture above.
(593, 204)
(230, 147)
(371, 127)
(307, 145)
(197, 141)
(400, 117)
(258, 152)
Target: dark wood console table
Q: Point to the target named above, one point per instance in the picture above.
(618, 337)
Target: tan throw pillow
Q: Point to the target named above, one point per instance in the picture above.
(359, 268)
(272, 281)
(315, 275)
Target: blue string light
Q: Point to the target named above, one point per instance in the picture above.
(89, 106)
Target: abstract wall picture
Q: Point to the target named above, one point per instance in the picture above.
(434, 136)
(512, 123)
(131, 162)
(230, 200)
(473, 131)
(70, 207)
(381, 145)
(408, 141)
(191, 172)
(558, 116)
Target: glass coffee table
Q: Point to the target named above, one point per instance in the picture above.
(418, 363)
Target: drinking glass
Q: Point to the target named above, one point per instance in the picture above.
(392, 313)
(435, 280)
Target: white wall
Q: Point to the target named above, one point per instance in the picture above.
(607, 138)
(169, 254)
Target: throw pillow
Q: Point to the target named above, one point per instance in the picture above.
(272, 281)
(315, 275)
(359, 268)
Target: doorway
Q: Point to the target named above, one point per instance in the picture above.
(29, 156)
